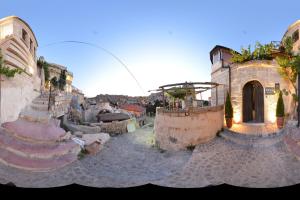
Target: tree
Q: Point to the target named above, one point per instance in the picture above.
(54, 82)
(6, 71)
(228, 107)
(62, 80)
(280, 106)
(289, 68)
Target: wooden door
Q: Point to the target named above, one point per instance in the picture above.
(259, 102)
(247, 102)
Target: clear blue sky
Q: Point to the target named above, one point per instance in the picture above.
(161, 41)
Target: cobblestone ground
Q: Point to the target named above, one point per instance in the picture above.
(130, 160)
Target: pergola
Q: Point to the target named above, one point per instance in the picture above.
(198, 87)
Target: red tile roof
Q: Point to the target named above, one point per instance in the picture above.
(131, 107)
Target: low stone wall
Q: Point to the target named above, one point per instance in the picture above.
(61, 104)
(179, 130)
(115, 127)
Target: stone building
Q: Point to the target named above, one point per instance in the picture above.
(79, 94)
(252, 85)
(55, 70)
(18, 46)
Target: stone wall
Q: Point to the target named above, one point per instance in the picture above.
(61, 104)
(178, 130)
(115, 127)
(265, 72)
(16, 94)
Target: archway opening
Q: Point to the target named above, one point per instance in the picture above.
(253, 102)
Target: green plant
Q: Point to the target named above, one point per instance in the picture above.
(289, 67)
(177, 92)
(280, 106)
(62, 80)
(228, 107)
(190, 147)
(43, 64)
(6, 71)
(82, 153)
(54, 82)
(261, 52)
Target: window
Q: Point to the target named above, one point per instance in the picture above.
(24, 35)
(295, 36)
(216, 56)
(31, 43)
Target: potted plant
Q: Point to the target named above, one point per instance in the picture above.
(228, 111)
(280, 111)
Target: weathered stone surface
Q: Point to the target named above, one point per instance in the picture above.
(177, 131)
(78, 133)
(115, 127)
(93, 148)
(100, 137)
(263, 71)
(85, 129)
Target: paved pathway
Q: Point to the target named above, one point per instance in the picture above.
(130, 160)
(254, 128)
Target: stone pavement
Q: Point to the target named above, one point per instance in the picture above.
(254, 128)
(130, 160)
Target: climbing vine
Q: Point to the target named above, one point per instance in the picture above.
(288, 61)
(6, 71)
(45, 66)
(62, 80)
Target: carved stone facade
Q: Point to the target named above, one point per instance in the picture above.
(234, 79)
(18, 46)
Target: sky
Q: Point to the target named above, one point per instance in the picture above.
(160, 41)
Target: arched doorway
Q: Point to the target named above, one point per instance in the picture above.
(253, 102)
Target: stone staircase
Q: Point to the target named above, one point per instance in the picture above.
(292, 141)
(35, 141)
(37, 111)
(252, 140)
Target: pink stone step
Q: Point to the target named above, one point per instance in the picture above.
(40, 132)
(37, 150)
(34, 164)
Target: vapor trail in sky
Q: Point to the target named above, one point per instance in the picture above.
(106, 51)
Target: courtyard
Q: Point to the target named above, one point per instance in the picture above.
(132, 159)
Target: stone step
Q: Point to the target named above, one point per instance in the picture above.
(34, 131)
(36, 164)
(40, 101)
(39, 107)
(252, 140)
(35, 116)
(36, 150)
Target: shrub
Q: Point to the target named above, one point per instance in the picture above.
(228, 107)
(280, 106)
(190, 147)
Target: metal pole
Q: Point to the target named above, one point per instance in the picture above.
(49, 98)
